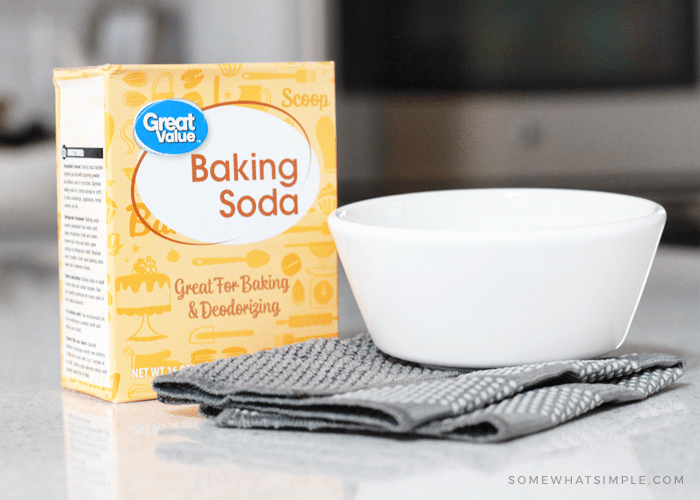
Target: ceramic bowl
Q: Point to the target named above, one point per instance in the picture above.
(494, 277)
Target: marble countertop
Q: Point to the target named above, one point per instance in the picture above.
(60, 444)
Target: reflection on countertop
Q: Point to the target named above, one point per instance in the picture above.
(149, 450)
(61, 444)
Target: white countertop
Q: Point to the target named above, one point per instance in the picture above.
(59, 444)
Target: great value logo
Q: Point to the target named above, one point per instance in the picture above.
(170, 127)
(255, 176)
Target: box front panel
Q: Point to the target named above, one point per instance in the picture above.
(222, 250)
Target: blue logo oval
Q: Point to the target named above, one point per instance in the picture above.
(170, 127)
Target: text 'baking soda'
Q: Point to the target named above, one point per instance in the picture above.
(192, 208)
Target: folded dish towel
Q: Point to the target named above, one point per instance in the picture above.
(350, 385)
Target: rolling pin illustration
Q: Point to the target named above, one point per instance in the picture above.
(207, 355)
(207, 334)
(288, 338)
(300, 75)
(254, 259)
(298, 321)
(301, 229)
(155, 359)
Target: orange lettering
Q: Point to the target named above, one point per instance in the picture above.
(240, 206)
(138, 228)
(239, 169)
(291, 177)
(273, 199)
(224, 193)
(295, 204)
(227, 172)
(198, 163)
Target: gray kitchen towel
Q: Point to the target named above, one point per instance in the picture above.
(350, 385)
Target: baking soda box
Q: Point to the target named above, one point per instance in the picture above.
(192, 206)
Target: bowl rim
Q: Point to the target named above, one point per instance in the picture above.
(657, 215)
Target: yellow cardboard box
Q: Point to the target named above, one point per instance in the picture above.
(192, 205)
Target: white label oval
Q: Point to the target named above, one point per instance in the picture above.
(253, 177)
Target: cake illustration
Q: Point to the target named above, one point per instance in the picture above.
(142, 293)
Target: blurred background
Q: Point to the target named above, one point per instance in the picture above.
(431, 94)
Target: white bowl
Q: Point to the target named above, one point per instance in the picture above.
(493, 277)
